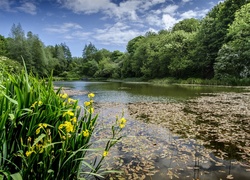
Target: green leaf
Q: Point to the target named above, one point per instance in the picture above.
(11, 100)
(16, 176)
(50, 171)
(38, 139)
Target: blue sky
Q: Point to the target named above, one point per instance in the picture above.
(107, 24)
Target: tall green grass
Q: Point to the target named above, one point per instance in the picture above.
(44, 133)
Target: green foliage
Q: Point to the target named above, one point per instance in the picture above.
(216, 46)
(44, 133)
(89, 51)
(3, 46)
(9, 65)
(212, 35)
(233, 58)
(187, 25)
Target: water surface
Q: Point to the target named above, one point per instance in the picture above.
(150, 151)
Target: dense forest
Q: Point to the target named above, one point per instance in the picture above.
(216, 47)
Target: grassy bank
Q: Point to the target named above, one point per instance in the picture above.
(197, 81)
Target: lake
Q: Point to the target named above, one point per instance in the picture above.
(123, 92)
(150, 151)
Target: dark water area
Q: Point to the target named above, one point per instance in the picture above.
(150, 151)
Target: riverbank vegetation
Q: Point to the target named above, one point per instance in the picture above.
(45, 134)
(212, 50)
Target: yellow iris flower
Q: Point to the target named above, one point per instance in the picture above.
(70, 113)
(91, 95)
(28, 153)
(74, 119)
(122, 122)
(105, 153)
(40, 126)
(39, 103)
(64, 96)
(87, 103)
(85, 133)
(69, 127)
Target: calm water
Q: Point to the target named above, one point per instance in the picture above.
(171, 156)
(136, 92)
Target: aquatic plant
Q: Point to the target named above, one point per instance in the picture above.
(45, 134)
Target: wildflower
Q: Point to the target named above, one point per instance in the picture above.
(29, 139)
(70, 113)
(41, 125)
(87, 103)
(91, 110)
(64, 96)
(85, 133)
(67, 125)
(39, 103)
(121, 125)
(39, 148)
(91, 95)
(28, 153)
(71, 100)
(105, 153)
(122, 122)
(38, 130)
(73, 119)
(60, 126)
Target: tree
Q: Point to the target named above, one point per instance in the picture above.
(134, 43)
(233, 59)
(17, 44)
(187, 25)
(89, 51)
(3, 46)
(39, 57)
(212, 35)
(132, 65)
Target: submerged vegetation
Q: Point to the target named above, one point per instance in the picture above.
(219, 121)
(45, 134)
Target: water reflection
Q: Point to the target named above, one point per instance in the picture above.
(136, 92)
(150, 151)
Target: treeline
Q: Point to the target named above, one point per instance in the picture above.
(216, 47)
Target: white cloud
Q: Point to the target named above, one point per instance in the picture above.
(85, 6)
(170, 9)
(168, 21)
(118, 34)
(64, 28)
(28, 7)
(189, 14)
(125, 10)
(194, 14)
(185, 1)
(154, 20)
(149, 3)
